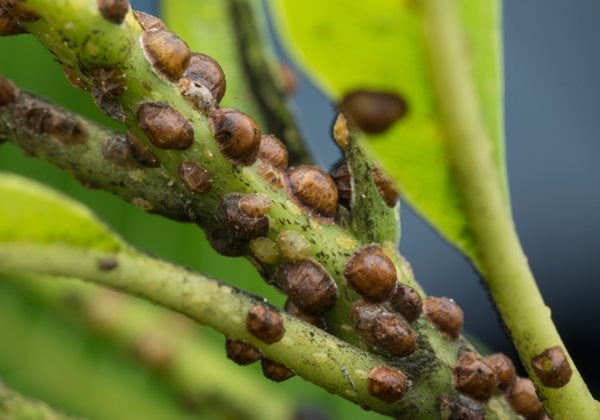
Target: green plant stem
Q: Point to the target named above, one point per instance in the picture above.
(17, 407)
(311, 353)
(185, 361)
(503, 263)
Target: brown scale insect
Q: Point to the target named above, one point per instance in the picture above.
(343, 181)
(371, 273)
(294, 310)
(524, 400)
(387, 384)
(271, 175)
(206, 71)
(109, 85)
(113, 10)
(149, 22)
(308, 285)
(8, 24)
(383, 329)
(40, 119)
(407, 302)
(373, 111)
(386, 187)
(275, 371)
(9, 93)
(265, 324)
(289, 81)
(164, 126)
(473, 377)
(237, 222)
(313, 190)
(194, 177)
(552, 367)
(273, 151)
(238, 136)
(140, 152)
(445, 315)
(73, 78)
(20, 10)
(503, 368)
(116, 151)
(241, 352)
(107, 264)
(168, 54)
(255, 205)
(224, 244)
(460, 408)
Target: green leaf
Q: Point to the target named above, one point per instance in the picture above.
(30, 212)
(352, 44)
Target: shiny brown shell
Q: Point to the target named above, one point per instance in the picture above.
(265, 324)
(445, 315)
(552, 367)
(407, 302)
(524, 400)
(313, 190)
(503, 368)
(149, 22)
(164, 126)
(275, 371)
(238, 135)
(241, 352)
(371, 273)
(308, 285)
(237, 223)
(386, 187)
(206, 71)
(387, 384)
(373, 111)
(343, 181)
(255, 205)
(194, 177)
(473, 377)
(9, 93)
(140, 152)
(273, 152)
(168, 54)
(113, 10)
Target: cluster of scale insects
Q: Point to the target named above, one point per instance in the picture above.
(387, 308)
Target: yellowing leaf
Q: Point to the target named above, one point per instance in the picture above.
(380, 45)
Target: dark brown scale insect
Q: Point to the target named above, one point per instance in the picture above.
(313, 190)
(315, 320)
(552, 367)
(224, 244)
(524, 400)
(308, 285)
(275, 371)
(343, 181)
(206, 71)
(241, 352)
(265, 324)
(386, 187)
(194, 177)
(387, 384)
(255, 205)
(164, 126)
(460, 408)
(107, 264)
(238, 135)
(116, 151)
(445, 315)
(373, 111)
(40, 119)
(407, 302)
(149, 22)
(73, 78)
(473, 377)
(113, 10)
(239, 224)
(272, 175)
(109, 85)
(8, 24)
(503, 368)
(371, 273)
(273, 152)
(168, 54)
(383, 329)
(20, 10)
(8, 92)
(140, 152)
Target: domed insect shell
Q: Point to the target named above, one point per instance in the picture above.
(241, 352)
(168, 54)
(524, 400)
(387, 384)
(113, 10)
(552, 367)
(9, 93)
(164, 126)
(203, 82)
(473, 377)
(272, 160)
(371, 273)
(343, 181)
(445, 315)
(314, 191)
(238, 136)
(265, 323)
(149, 22)
(239, 221)
(275, 371)
(373, 111)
